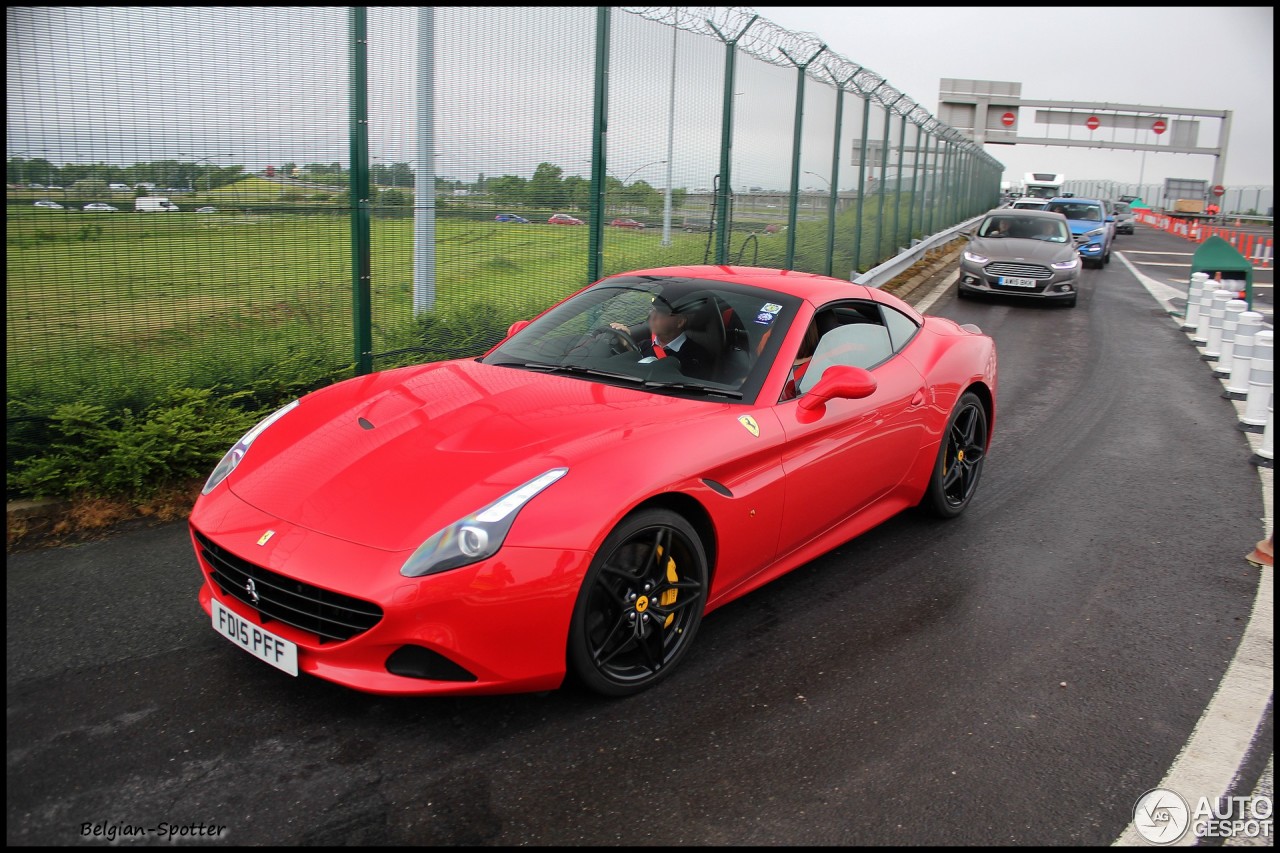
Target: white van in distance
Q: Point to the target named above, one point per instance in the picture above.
(154, 204)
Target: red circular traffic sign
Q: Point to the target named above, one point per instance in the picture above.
(1007, 119)
(1159, 126)
(1092, 122)
(1219, 189)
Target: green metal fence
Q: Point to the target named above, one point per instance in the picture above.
(303, 191)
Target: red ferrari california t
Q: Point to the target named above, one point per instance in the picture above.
(572, 503)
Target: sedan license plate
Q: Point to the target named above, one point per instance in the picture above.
(259, 642)
(1017, 282)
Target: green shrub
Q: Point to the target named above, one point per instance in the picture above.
(91, 451)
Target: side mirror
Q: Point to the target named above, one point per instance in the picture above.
(839, 381)
(516, 326)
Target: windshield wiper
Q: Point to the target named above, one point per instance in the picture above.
(572, 369)
(702, 390)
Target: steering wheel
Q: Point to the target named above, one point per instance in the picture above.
(620, 341)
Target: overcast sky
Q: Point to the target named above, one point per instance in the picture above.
(1212, 58)
(275, 88)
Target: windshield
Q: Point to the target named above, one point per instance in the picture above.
(683, 336)
(1075, 210)
(1048, 228)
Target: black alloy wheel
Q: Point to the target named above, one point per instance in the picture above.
(960, 456)
(640, 604)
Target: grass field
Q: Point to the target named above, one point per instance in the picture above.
(105, 306)
(114, 308)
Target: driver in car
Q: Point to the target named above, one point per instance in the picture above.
(667, 339)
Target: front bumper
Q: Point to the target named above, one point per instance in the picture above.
(497, 626)
(1050, 284)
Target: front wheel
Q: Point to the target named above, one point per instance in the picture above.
(960, 454)
(640, 604)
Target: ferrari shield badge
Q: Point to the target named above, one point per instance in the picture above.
(751, 425)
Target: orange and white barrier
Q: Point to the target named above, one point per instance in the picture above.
(1258, 249)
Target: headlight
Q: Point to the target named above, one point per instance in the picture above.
(478, 535)
(233, 456)
(1097, 232)
(1067, 265)
(975, 257)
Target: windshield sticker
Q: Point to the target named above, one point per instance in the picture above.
(768, 313)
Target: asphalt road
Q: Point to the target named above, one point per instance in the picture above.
(1020, 675)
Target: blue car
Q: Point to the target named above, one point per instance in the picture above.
(1092, 227)
(509, 217)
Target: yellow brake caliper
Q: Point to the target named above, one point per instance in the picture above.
(669, 596)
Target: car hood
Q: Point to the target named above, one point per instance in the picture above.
(1019, 249)
(389, 459)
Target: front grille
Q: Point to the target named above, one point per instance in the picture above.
(329, 615)
(1037, 271)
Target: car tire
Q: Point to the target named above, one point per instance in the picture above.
(640, 604)
(961, 452)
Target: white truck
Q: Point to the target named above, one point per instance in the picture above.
(1043, 184)
(154, 204)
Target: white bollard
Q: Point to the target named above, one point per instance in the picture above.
(1249, 324)
(1207, 290)
(1230, 321)
(1264, 456)
(1191, 316)
(1217, 315)
(1260, 373)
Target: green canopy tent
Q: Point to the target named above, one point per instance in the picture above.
(1216, 255)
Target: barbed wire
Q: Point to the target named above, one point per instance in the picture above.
(764, 40)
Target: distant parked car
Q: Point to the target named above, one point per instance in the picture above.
(99, 207)
(510, 217)
(51, 205)
(628, 223)
(565, 219)
(206, 210)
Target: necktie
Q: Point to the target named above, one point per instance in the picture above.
(659, 351)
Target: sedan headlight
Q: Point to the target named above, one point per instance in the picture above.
(974, 257)
(233, 456)
(477, 536)
(1097, 232)
(1067, 265)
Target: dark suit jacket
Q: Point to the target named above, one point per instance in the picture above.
(694, 359)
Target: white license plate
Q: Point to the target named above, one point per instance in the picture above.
(1018, 282)
(259, 642)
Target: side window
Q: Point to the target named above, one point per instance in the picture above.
(860, 334)
(901, 327)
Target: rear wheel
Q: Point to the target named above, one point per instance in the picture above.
(960, 455)
(640, 604)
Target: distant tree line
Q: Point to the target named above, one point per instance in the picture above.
(548, 189)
